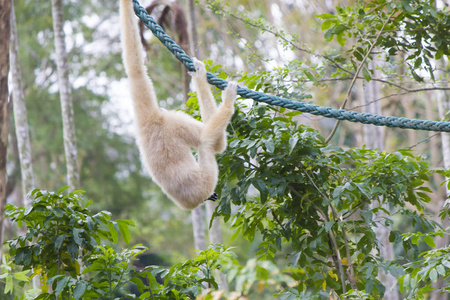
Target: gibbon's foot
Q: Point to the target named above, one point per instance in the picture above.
(213, 197)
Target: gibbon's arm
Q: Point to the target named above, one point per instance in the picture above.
(207, 103)
(143, 94)
(205, 97)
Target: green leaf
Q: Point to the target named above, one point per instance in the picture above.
(433, 275)
(22, 276)
(415, 76)
(269, 146)
(406, 6)
(329, 225)
(9, 285)
(326, 16)
(328, 34)
(261, 187)
(292, 143)
(429, 240)
(113, 232)
(124, 231)
(446, 263)
(76, 236)
(327, 24)
(62, 285)
(340, 28)
(79, 290)
(359, 26)
(77, 192)
(27, 257)
(366, 74)
(440, 269)
(235, 235)
(341, 39)
(392, 237)
(72, 248)
(59, 191)
(405, 284)
(310, 76)
(293, 113)
(415, 240)
(358, 55)
(418, 63)
(59, 241)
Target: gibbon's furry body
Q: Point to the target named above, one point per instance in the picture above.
(165, 137)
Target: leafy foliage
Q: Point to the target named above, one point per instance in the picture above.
(66, 247)
(414, 27)
(62, 236)
(316, 203)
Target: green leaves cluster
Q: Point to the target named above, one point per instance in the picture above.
(318, 204)
(414, 28)
(64, 240)
(69, 249)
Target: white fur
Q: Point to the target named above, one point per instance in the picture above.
(165, 137)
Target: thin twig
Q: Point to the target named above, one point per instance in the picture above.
(150, 289)
(276, 219)
(425, 140)
(344, 235)
(361, 65)
(276, 34)
(408, 91)
(335, 63)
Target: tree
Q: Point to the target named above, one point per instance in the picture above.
(5, 16)
(374, 139)
(70, 146)
(20, 115)
(198, 214)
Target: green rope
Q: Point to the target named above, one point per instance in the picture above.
(339, 114)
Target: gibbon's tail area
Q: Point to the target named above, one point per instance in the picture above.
(165, 137)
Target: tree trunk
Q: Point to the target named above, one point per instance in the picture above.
(443, 100)
(5, 15)
(374, 138)
(70, 145)
(198, 226)
(215, 232)
(198, 215)
(20, 115)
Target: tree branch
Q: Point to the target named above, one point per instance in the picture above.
(337, 260)
(350, 271)
(361, 65)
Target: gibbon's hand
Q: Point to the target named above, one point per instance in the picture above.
(200, 71)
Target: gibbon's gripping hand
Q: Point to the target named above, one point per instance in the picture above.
(200, 70)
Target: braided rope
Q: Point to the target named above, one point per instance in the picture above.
(339, 114)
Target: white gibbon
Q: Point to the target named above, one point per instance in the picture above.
(165, 137)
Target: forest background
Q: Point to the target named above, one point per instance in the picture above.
(384, 57)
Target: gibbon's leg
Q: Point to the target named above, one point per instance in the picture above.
(216, 125)
(142, 91)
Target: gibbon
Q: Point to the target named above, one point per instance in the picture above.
(165, 137)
